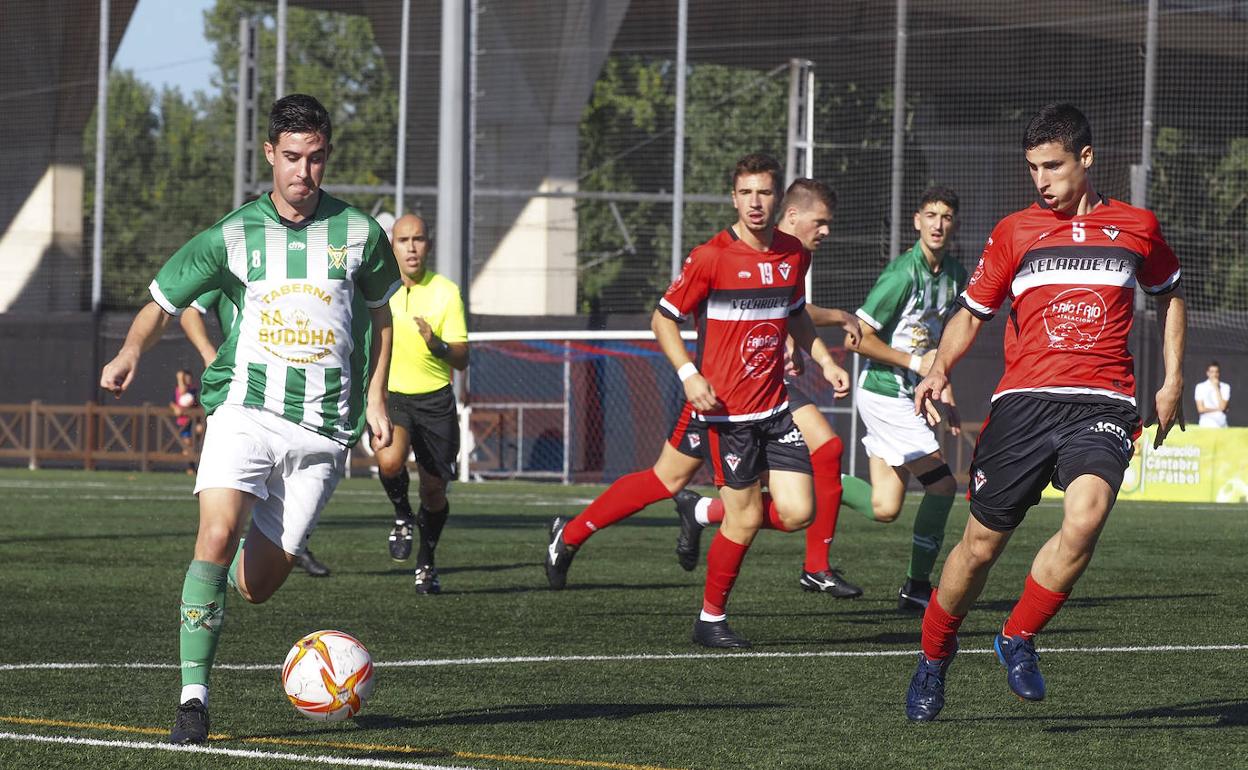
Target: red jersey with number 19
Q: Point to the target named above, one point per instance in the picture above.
(1072, 283)
(741, 300)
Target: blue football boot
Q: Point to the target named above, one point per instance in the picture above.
(926, 696)
(1022, 666)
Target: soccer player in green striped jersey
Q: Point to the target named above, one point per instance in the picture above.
(301, 371)
(902, 318)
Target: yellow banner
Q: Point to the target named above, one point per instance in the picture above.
(1199, 465)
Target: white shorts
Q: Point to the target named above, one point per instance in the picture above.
(292, 470)
(895, 434)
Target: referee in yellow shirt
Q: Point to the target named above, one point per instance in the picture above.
(430, 337)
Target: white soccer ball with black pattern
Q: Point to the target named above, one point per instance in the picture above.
(328, 676)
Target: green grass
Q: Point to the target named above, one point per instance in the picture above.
(91, 567)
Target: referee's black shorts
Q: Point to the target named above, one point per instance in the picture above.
(432, 423)
(1030, 440)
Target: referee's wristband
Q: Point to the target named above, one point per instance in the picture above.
(916, 363)
(686, 371)
(439, 349)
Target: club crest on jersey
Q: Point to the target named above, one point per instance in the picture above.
(337, 257)
(733, 461)
(695, 441)
(1111, 232)
(784, 268)
(980, 479)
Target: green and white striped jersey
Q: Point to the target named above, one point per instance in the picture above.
(907, 308)
(300, 345)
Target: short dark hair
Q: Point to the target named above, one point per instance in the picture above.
(299, 114)
(804, 193)
(938, 194)
(1059, 122)
(757, 163)
(1213, 363)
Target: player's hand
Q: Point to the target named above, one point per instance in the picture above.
(794, 362)
(951, 412)
(119, 373)
(853, 330)
(700, 393)
(426, 331)
(925, 366)
(930, 390)
(379, 424)
(837, 377)
(1169, 408)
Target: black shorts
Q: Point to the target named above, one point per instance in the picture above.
(686, 436)
(1029, 441)
(797, 396)
(740, 451)
(432, 423)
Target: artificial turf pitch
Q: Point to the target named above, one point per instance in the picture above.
(500, 672)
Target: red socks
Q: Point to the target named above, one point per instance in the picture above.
(771, 517)
(940, 630)
(622, 499)
(1035, 608)
(723, 563)
(826, 462)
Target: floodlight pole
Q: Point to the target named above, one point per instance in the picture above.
(244, 117)
(899, 126)
(279, 86)
(400, 155)
(678, 141)
(451, 144)
(800, 158)
(101, 141)
(1139, 196)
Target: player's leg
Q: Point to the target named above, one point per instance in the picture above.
(393, 475)
(232, 476)
(734, 453)
(939, 488)
(888, 489)
(1095, 448)
(825, 449)
(678, 462)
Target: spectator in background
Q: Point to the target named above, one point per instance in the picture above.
(1212, 398)
(185, 399)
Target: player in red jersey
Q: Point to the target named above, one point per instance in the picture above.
(806, 214)
(682, 454)
(746, 289)
(1065, 408)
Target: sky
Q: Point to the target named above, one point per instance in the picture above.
(165, 45)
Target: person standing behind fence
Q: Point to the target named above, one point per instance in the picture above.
(430, 337)
(185, 399)
(1212, 398)
(301, 373)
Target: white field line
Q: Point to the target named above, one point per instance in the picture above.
(433, 662)
(244, 753)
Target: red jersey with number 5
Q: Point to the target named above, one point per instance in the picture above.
(741, 300)
(1072, 283)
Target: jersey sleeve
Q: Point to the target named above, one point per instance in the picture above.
(885, 300)
(195, 268)
(207, 301)
(690, 287)
(989, 285)
(1160, 271)
(378, 276)
(454, 327)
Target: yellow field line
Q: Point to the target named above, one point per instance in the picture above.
(296, 742)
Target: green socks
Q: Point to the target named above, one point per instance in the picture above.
(929, 534)
(856, 493)
(238, 557)
(203, 610)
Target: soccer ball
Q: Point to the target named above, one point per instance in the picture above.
(186, 399)
(328, 675)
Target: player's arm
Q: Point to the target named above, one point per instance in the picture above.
(958, 335)
(145, 331)
(197, 332)
(1168, 401)
(379, 373)
(877, 349)
(830, 316)
(697, 390)
(802, 330)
